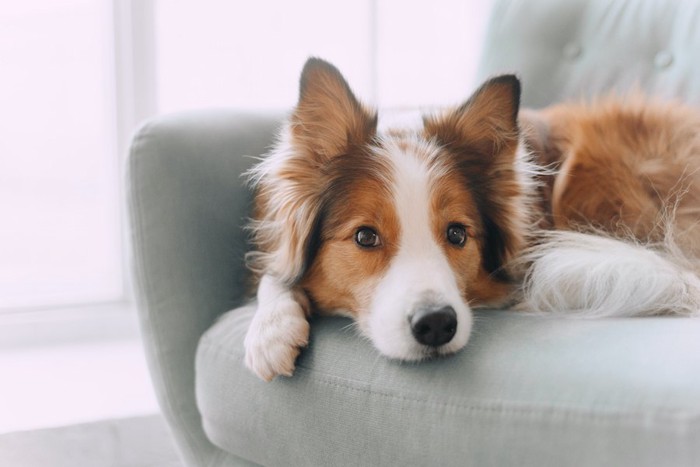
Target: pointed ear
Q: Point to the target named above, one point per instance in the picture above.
(481, 137)
(486, 123)
(328, 119)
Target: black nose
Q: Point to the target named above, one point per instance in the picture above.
(434, 326)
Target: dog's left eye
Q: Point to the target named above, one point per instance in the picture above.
(367, 238)
(457, 234)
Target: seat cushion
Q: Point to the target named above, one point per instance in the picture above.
(525, 391)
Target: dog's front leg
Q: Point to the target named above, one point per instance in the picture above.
(280, 328)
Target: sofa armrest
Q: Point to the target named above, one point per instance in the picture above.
(187, 204)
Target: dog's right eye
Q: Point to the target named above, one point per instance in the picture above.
(367, 238)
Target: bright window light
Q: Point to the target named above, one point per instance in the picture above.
(396, 54)
(59, 174)
(248, 55)
(60, 196)
(428, 52)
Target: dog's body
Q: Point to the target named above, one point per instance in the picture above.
(406, 230)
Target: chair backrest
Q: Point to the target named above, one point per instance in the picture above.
(567, 49)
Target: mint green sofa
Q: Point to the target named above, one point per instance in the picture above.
(525, 391)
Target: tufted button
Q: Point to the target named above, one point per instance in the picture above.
(663, 59)
(572, 51)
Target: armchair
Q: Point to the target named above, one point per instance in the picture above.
(528, 391)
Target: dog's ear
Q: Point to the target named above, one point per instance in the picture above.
(482, 137)
(327, 122)
(487, 123)
(328, 119)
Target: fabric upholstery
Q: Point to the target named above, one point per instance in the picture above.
(525, 391)
(584, 48)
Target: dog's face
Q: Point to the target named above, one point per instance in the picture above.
(402, 231)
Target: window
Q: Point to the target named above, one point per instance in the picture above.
(249, 54)
(60, 240)
(395, 54)
(79, 75)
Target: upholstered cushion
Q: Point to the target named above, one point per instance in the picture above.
(525, 391)
(582, 48)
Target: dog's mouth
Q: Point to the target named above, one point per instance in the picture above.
(431, 353)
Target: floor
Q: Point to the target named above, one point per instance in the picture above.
(76, 392)
(73, 369)
(132, 442)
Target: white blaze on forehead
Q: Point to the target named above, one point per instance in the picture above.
(412, 182)
(419, 273)
(411, 188)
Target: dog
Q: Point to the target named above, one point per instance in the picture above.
(585, 209)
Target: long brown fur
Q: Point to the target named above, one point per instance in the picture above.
(627, 166)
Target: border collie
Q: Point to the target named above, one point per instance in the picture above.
(585, 209)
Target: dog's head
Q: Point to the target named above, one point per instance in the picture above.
(403, 231)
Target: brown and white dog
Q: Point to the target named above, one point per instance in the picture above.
(585, 209)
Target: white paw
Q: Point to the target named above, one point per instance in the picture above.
(275, 337)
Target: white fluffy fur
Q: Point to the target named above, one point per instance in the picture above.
(420, 273)
(278, 330)
(587, 275)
